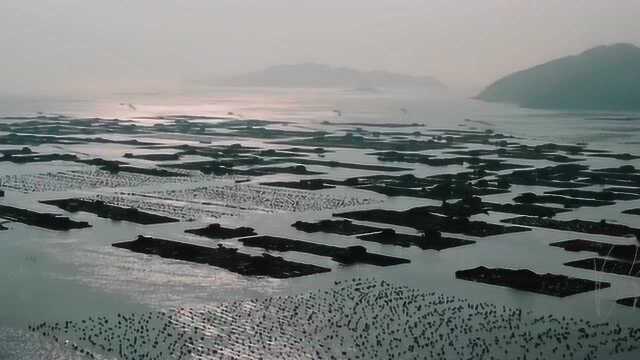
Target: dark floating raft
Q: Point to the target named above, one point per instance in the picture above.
(226, 258)
(346, 255)
(567, 202)
(624, 169)
(474, 162)
(25, 159)
(383, 125)
(390, 237)
(629, 190)
(435, 187)
(115, 168)
(153, 157)
(43, 220)
(215, 231)
(631, 301)
(540, 152)
(428, 193)
(264, 133)
(108, 211)
(527, 280)
(558, 176)
(18, 151)
(270, 170)
(635, 211)
(608, 266)
(342, 227)
(226, 168)
(573, 176)
(596, 195)
(623, 156)
(524, 209)
(359, 142)
(101, 162)
(310, 184)
(338, 164)
(27, 139)
(472, 206)
(421, 219)
(612, 177)
(583, 226)
(623, 252)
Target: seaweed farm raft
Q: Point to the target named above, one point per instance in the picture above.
(164, 235)
(317, 322)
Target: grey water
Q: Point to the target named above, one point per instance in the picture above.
(57, 276)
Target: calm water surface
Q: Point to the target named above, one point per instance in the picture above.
(54, 276)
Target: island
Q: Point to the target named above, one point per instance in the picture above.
(327, 76)
(602, 78)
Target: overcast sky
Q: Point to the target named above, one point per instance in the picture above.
(48, 45)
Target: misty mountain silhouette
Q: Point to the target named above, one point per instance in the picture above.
(319, 75)
(602, 78)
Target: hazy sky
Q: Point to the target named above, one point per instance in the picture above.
(49, 45)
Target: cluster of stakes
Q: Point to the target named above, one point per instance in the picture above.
(354, 319)
(90, 179)
(175, 209)
(256, 197)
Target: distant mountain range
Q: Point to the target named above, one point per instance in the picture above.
(325, 76)
(602, 78)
